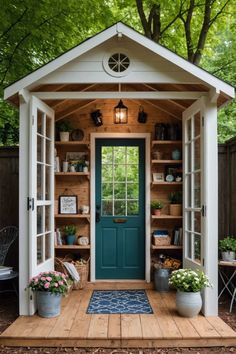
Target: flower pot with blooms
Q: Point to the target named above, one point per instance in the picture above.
(49, 287)
(156, 206)
(189, 284)
(227, 247)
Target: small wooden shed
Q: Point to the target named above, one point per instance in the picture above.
(128, 165)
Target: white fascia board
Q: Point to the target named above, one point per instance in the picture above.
(60, 61)
(177, 60)
(152, 95)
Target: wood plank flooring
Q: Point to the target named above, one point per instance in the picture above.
(75, 328)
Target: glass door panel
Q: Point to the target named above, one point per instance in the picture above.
(193, 228)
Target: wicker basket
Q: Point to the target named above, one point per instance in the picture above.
(83, 270)
(161, 241)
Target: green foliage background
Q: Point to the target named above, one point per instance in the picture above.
(33, 32)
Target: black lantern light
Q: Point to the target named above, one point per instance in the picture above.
(120, 113)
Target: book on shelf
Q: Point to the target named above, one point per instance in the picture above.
(177, 239)
(58, 237)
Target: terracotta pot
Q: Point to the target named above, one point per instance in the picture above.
(157, 212)
(176, 209)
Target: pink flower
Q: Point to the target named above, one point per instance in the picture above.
(43, 278)
(56, 285)
(46, 285)
(63, 275)
(48, 278)
(36, 280)
(60, 282)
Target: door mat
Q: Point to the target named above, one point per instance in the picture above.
(119, 301)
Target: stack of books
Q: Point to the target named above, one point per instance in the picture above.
(177, 238)
(5, 271)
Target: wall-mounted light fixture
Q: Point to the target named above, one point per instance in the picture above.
(120, 113)
(97, 117)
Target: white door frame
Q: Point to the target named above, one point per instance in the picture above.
(145, 136)
(210, 200)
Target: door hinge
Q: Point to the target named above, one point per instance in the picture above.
(30, 203)
(204, 210)
(203, 262)
(203, 121)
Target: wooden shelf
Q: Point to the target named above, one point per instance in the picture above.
(167, 183)
(72, 174)
(171, 247)
(167, 217)
(72, 216)
(72, 247)
(166, 142)
(167, 161)
(72, 143)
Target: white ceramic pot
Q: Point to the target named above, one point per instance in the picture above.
(228, 256)
(64, 136)
(188, 304)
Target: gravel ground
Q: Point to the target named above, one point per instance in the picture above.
(9, 310)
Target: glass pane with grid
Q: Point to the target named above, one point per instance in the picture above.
(120, 180)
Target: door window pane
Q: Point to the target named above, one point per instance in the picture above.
(197, 190)
(132, 173)
(120, 154)
(48, 151)
(40, 247)
(107, 190)
(119, 207)
(188, 245)
(197, 248)
(132, 191)
(48, 127)
(107, 207)
(48, 209)
(189, 130)
(188, 220)
(40, 189)
(107, 173)
(197, 124)
(197, 222)
(189, 157)
(107, 152)
(40, 149)
(119, 191)
(40, 122)
(197, 154)
(47, 182)
(119, 173)
(40, 219)
(132, 155)
(188, 190)
(132, 207)
(48, 251)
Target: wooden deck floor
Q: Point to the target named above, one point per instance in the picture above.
(75, 328)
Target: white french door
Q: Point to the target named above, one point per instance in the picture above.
(41, 189)
(194, 192)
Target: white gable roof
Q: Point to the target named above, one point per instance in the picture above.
(104, 36)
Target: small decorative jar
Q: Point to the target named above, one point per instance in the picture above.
(176, 154)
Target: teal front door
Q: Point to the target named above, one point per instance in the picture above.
(120, 209)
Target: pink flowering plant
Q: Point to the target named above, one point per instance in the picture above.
(52, 282)
(189, 280)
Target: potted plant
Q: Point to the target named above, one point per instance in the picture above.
(227, 247)
(70, 233)
(189, 284)
(49, 287)
(175, 203)
(156, 206)
(64, 127)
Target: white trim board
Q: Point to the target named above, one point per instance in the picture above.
(147, 137)
(152, 95)
(105, 35)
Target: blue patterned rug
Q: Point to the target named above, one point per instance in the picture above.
(119, 301)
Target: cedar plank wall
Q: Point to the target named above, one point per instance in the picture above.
(83, 121)
(9, 195)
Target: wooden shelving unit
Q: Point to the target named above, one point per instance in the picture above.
(175, 162)
(72, 216)
(167, 183)
(72, 247)
(66, 174)
(167, 217)
(166, 142)
(72, 143)
(171, 247)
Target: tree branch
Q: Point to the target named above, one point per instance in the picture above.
(146, 27)
(14, 23)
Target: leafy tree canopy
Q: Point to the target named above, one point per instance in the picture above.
(34, 32)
